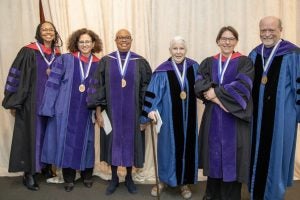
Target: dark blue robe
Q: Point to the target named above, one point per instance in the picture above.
(24, 90)
(224, 137)
(276, 114)
(177, 142)
(69, 138)
(124, 146)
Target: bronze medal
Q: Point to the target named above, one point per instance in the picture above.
(48, 70)
(123, 83)
(264, 79)
(81, 88)
(183, 95)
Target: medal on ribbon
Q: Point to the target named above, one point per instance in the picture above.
(123, 68)
(180, 78)
(83, 75)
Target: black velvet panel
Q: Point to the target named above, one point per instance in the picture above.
(268, 114)
(177, 122)
(189, 165)
(191, 135)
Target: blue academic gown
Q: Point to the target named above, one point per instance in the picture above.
(177, 141)
(69, 138)
(276, 114)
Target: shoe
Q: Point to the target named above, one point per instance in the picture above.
(161, 187)
(48, 172)
(88, 183)
(130, 185)
(207, 197)
(30, 182)
(69, 187)
(113, 184)
(186, 192)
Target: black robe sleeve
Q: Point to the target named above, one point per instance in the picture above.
(236, 96)
(204, 80)
(97, 86)
(19, 81)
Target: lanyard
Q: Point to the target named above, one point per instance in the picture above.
(272, 55)
(84, 76)
(44, 57)
(123, 68)
(180, 76)
(222, 70)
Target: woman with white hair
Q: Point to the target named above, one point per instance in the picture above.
(171, 94)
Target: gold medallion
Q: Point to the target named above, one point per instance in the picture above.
(81, 88)
(183, 95)
(48, 70)
(123, 83)
(264, 79)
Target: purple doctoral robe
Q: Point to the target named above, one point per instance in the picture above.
(124, 146)
(24, 90)
(224, 138)
(69, 138)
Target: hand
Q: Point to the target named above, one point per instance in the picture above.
(143, 126)
(99, 118)
(13, 112)
(210, 94)
(217, 101)
(152, 116)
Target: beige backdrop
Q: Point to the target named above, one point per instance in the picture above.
(152, 23)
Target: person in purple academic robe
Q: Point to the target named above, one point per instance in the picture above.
(23, 94)
(69, 138)
(276, 100)
(118, 87)
(224, 85)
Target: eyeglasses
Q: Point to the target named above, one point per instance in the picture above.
(123, 37)
(87, 42)
(225, 39)
(47, 30)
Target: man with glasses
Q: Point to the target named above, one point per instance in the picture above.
(118, 88)
(276, 98)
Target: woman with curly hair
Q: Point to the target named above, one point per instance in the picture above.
(69, 139)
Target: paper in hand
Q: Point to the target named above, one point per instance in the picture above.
(158, 122)
(107, 125)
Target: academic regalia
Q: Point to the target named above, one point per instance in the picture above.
(276, 114)
(69, 138)
(224, 137)
(24, 90)
(124, 146)
(177, 141)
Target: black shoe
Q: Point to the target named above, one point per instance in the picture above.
(88, 183)
(207, 197)
(69, 187)
(48, 172)
(130, 185)
(114, 183)
(30, 182)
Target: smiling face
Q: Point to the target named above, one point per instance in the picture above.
(85, 44)
(47, 33)
(178, 50)
(123, 40)
(227, 43)
(270, 31)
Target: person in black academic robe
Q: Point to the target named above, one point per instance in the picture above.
(224, 85)
(118, 87)
(23, 93)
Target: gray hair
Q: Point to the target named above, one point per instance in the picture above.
(177, 39)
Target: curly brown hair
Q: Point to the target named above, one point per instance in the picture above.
(74, 38)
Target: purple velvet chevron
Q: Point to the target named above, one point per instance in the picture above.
(236, 96)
